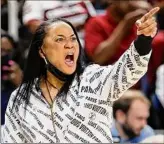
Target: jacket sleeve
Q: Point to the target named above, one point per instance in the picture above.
(11, 130)
(131, 66)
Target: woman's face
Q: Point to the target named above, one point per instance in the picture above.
(61, 47)
(6, 46)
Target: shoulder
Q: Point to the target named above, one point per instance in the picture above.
(96, 20)
(91, 69)
(147, 131)
(17, 93)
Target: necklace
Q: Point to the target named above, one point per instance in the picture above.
(51, 107)
(52, 85)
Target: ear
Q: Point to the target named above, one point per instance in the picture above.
(120, 116)
(41, 53)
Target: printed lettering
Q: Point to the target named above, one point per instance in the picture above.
(146, 59)
(73, 98)
(99, 129)
(36, 118)
(135, 79)
(6, 128)
(78, 137)
(68, 140)
(37, 96)
(98, 87)
(66, 103)
(20, 135)
(139, 63)
(51, 133)
(42, 134)
(109, 103)
(87, 89)
(27, 136)
(29, 131)
(46, 137)
(138, 72)
(69, 117)
(77, 104)
(59, 105)
(106, 78)
(72, 109)
(80, 116)
(124, 79)
(96, 108)
(129, 63)
(96, 75)
(13, 138)
(91, 99)
(43, 113)
(58, 116)
(58, 125)
(88, 132)
(12, 122)
(75, 122)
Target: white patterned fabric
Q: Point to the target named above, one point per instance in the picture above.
(86, 113)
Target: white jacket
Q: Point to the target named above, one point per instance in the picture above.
(86, 115)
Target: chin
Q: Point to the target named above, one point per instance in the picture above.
(137, 133)
(69, 72)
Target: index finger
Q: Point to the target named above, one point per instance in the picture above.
(150, 14)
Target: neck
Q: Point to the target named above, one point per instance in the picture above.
(54, 80)
(120, 131)
(116, 14)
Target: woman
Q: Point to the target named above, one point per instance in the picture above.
(61, 100)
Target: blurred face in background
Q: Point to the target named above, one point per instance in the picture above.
(125, 7)
(136, 118)
(6, 46)
(7, 51)
(61, 47)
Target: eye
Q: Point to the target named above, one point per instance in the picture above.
(59, 40)
(73, 38)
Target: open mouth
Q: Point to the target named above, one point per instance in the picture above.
(69, 59)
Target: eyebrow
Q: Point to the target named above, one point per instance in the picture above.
(65, 36)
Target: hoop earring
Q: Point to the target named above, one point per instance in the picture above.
(45, 60)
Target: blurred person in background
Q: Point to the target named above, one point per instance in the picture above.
(77, 12)
(130, 113)
(158, 49)
(11, 73)
(109, 35)
(151, 79)
(100, 6)
(158, 98)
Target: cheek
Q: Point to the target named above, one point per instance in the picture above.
(131, 122)
(135, 124)
(55, 54)
(77, 51)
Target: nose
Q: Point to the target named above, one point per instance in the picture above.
(144, 122)
(69, 44)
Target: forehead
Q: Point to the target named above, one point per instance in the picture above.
(60, 28)
(138, 107)
(6, 42)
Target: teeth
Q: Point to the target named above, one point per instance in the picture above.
(70, 53)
